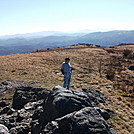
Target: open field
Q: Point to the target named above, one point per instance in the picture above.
(104, 69)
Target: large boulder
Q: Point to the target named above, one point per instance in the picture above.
(23, 95)
(3, 129)
(61, 101)
(85, 121)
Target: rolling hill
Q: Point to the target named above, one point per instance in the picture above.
(99, 68)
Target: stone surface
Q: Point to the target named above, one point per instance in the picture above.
(85, 121)
(100, 98)
(104, 113)
(62, 101)
(21, 129)
(4, 110)
(23, 95)
(10, 111)
(3, 104)
(3, 129)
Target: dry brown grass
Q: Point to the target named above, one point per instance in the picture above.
(91, 66)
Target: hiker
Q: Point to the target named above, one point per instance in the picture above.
(66, 70)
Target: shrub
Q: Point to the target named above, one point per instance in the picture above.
(110, 75)
(126, 53)
(110, 51)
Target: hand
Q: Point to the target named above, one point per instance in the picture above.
(62, 71)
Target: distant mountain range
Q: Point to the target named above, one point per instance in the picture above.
(24, 43)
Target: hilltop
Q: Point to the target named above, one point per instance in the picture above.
(99, 68)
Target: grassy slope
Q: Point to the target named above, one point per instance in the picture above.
(44, 68)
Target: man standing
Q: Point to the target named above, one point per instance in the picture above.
(66, 70)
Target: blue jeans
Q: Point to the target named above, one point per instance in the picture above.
(67, 77)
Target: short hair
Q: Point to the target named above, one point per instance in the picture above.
(67, 58)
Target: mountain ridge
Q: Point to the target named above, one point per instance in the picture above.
(109, 38)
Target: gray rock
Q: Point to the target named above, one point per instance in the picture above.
(3, 120)
(3, 129)
(5, 82)
(109, 86)
(36, 127)
(104, 113)
(62, 101)
(38, 114)
(33, 105)
(23, 115)
(20, 98)
(10, 111)
(85, 121)
(100, 98)
(4, 110)
(9, 122)
(3, 104)
(21, 68)
(21, 129)
(24, 95)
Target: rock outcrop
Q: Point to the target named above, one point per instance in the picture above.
(67, 111)
(58, 111)
(61, 101)
(85, 121)
(23, 95)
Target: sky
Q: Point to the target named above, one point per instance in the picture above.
(27, 16)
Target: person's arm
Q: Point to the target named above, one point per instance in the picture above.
(62, 70)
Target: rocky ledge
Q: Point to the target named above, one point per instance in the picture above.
(58, 111)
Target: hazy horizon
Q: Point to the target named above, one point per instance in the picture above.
(21, 17)
(77, 31)
(61, 33)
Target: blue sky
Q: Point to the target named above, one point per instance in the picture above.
(25, 16)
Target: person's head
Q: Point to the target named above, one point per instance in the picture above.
(67, 60)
